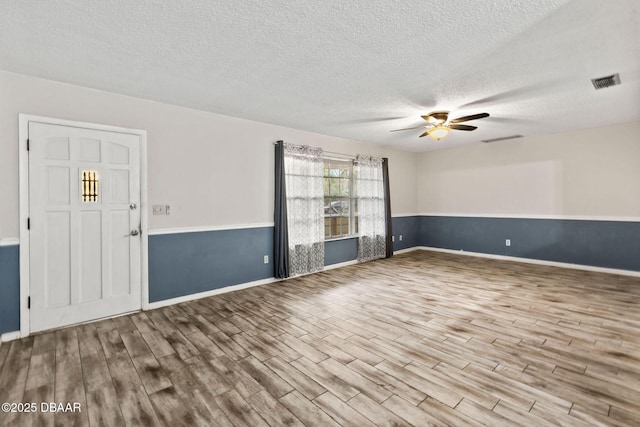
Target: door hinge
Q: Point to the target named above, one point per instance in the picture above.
(28, 223)
(29, 302)
(27, 144)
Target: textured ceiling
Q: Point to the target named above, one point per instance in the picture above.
(354, 69)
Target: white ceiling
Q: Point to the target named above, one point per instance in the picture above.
(354, 69)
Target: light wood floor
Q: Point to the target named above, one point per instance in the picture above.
(422, 338)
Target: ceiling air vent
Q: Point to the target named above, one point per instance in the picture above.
(608, 81)
(502, 138)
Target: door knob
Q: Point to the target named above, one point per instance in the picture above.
(134, 232)
(133, 206)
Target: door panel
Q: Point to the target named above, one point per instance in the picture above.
(90, 256)
(84, 262)
(56, 256)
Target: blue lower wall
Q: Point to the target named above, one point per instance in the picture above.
(9, 288)
(407, 227)
(187, 263)
(608, 244)
(343, 250)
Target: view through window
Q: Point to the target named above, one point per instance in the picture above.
(340, 202)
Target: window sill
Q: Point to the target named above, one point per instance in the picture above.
(334, 239)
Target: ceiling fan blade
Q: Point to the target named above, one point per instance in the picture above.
(416, 127)
(424, 134)
(471, 117)
(463, 127)
(436, 117)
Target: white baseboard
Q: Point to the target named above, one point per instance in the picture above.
(10, 336)
(212, 292)
(402, 251)
(338, 265)
(535, 261)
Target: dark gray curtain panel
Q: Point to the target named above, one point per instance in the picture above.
(280, 231)
(387, 208)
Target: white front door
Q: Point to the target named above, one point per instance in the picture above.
(84, 209)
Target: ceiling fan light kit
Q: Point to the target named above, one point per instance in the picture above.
(438, 132)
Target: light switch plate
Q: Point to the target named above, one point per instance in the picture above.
(159, 210)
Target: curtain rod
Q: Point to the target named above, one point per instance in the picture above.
(349, 156)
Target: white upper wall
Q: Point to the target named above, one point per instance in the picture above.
(213, 170)
(593, 173)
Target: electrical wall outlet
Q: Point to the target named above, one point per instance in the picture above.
(393, 238)
(266, 259)
(507, 242)
(400, 237)
(167, 209)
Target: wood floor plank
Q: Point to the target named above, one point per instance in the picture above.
(299, 380)
(13, 375)
(376, 413)
(74, 394)
(42, 369)
(136, 408)
(325, 378)
(157, 344)
(88, 339)
(95, 371)
(357, 381)
(68, 373)
(264, 376)
(123, 374)
(305, 411)
(231, 348)
(208, 377)
(446, 414)
(124, 324)
(303, 348)
(204, 344)
(340, 411)
(151, 373)
(235, 376)
(43, 343)
(103, 407)
(253, 346)
(43, 393)
(172, 409)
(410, 413)
(142, 322)
(274, 412)
(238, 410)
(422, 383)
(326, 348)
(134, 343)
(181, 345)
(112, 344)
(391, 383)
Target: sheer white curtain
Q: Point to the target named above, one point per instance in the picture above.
(371, 209)
(305, 208)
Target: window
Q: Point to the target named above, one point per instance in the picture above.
(340, 203)
(89, 186)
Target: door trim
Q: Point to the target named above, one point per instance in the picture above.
(23, 133)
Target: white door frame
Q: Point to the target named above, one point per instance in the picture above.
(23, 133)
